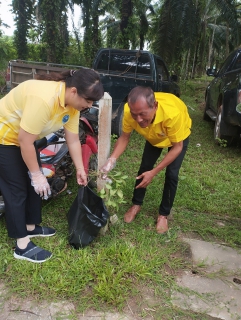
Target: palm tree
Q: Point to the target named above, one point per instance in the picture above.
(143, 10)
(184, 31)
(53, 17)
(23, 10)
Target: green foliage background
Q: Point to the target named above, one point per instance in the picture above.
(190, 35)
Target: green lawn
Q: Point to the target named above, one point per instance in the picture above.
(116, 267)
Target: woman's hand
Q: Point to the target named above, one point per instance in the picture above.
(81, 176)
(40, 184)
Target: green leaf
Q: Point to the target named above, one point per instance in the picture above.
(120, 193)
(113, 192)
(117, 174)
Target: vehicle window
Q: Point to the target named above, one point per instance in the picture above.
(237, 64)
(161, 70)
(127, 63)
(123, 63)
(226, 64)
(103, 62)
(144, 65)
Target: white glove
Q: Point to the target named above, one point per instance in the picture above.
(40, 184)
(109, 165)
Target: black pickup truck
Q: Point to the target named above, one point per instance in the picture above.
(122, 70)
(223, 99)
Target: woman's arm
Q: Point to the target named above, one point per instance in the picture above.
(38, 180)
(26, 141)
(75, 152)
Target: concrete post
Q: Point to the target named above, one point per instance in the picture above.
(104, 137)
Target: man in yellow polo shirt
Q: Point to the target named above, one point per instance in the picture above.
(163, 120)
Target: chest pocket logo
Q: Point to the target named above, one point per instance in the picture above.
(161, 134)
(65, 119)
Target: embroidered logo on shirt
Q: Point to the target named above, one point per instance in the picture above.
(161, 134)
(65, 119)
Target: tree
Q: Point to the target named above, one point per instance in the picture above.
(184, 33)
(53, 17)
(126, 23)
(23, 10)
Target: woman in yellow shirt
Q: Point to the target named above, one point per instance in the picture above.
(30, 111)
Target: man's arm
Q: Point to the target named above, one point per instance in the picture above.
(169, 158)
(120, 145)
(119, 148)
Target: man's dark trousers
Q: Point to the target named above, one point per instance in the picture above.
(149, 158)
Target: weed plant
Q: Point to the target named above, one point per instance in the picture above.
(131, 259)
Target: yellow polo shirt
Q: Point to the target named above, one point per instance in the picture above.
(38, 107)
(171, 124)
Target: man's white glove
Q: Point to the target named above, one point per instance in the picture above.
(40, 184)
(107, 167)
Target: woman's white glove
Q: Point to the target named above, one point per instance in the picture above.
(40, 184)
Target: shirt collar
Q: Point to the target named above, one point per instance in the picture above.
(157, 115)
(62, 94)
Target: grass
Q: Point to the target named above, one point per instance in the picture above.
(119, 268)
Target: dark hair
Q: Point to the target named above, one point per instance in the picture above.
(142, 92)
(85, 80)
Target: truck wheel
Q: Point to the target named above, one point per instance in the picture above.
(116, 125)
(224, 133)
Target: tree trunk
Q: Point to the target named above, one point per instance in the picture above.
(126, 13)
(186, 75)
(211, 48)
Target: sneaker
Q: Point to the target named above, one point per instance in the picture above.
(32, 253)
(41, 232)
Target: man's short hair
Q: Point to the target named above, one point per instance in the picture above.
(141, 92)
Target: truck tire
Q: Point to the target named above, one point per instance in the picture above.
(116, 125)
(223, 131)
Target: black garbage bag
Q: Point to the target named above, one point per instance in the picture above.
(86, 216)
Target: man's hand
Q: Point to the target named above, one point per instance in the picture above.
(146, 179)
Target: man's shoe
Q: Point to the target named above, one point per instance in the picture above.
(131, 213)
(162, 225)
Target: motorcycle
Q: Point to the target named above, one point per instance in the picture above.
(55, 159)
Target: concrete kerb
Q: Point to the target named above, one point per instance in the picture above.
(214, 290)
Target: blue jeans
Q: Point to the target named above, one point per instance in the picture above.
(149, 158)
